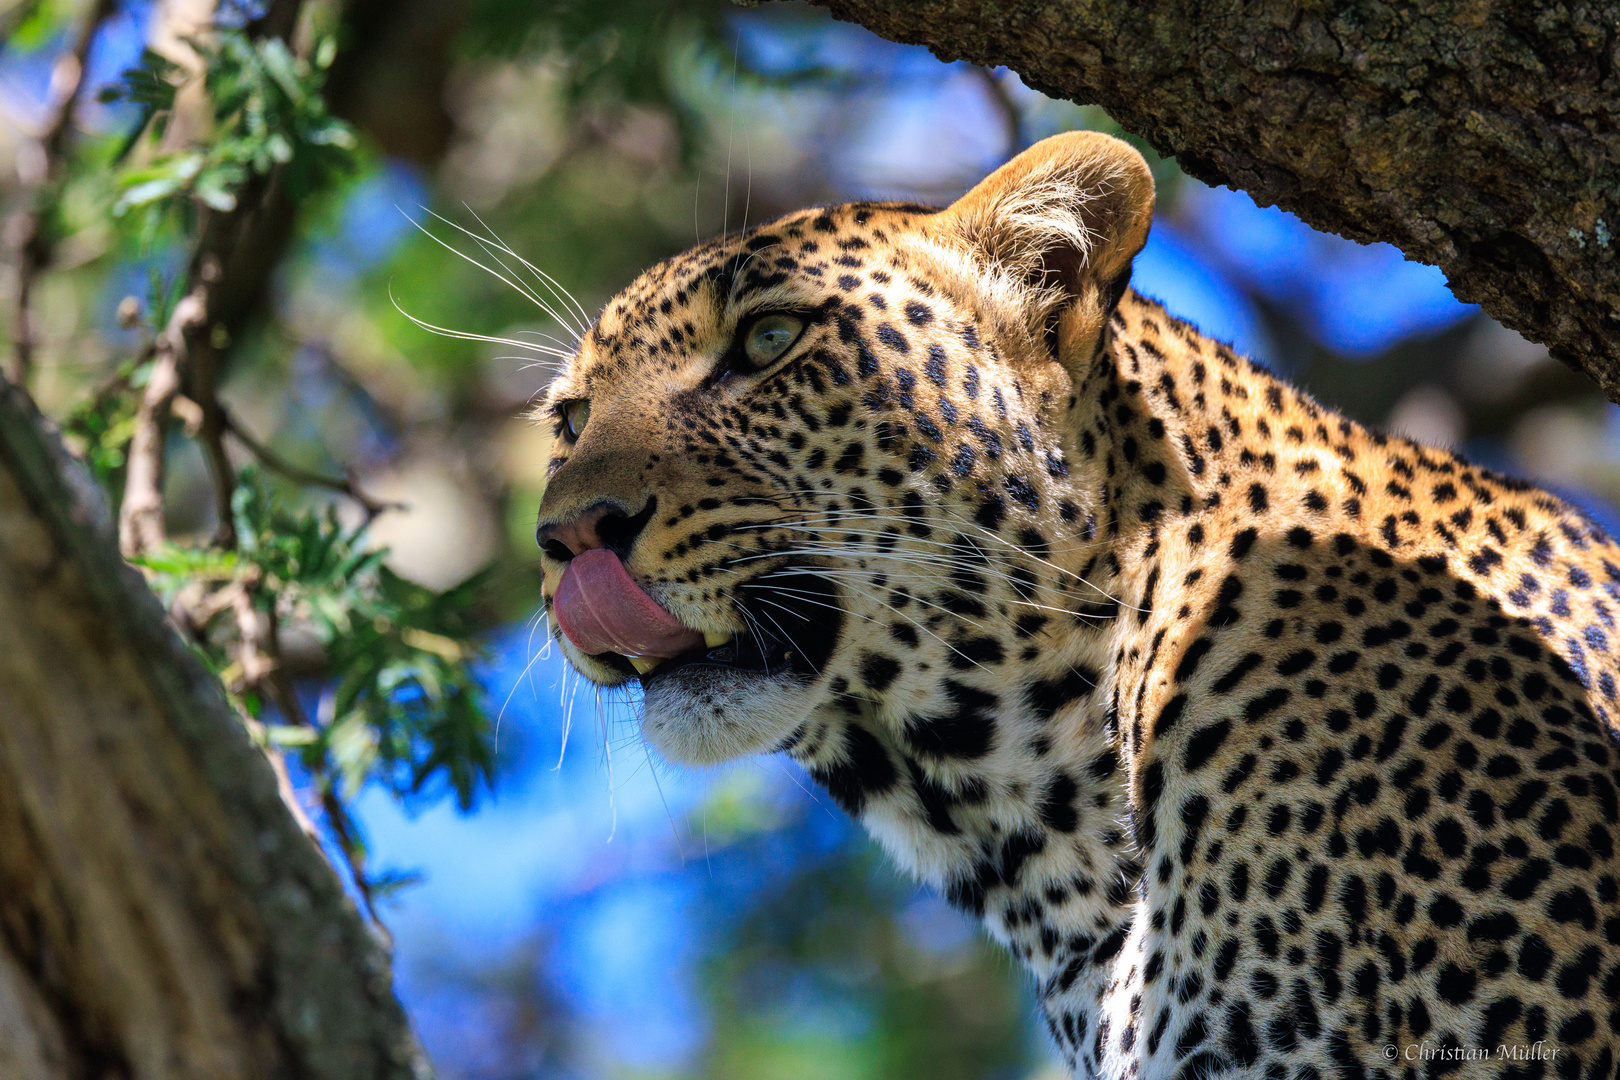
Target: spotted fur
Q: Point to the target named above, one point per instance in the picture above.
(1264, 741)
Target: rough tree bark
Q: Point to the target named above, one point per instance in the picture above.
(1479, 135)
(162, 915)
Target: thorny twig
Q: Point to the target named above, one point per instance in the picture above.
(337, 816)
(192, 609)
(29, 238)
(275, 462)
(257, 632)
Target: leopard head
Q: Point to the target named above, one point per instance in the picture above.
(825, 464)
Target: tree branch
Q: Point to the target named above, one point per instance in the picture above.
(275, 462)
(204, 385)
(1485, 144)
(185, 354)
(162, 909)
(140, 515)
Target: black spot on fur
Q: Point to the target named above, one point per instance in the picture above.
(1047, 696)
(865, 770)
(966, 731)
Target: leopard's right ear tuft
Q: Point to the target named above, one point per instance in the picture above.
(1062, 220)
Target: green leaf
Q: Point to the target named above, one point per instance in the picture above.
(151, 83)
(213, 187)
(192, 562)
(268, 114)
(283, 68)
(388, 884)
(158, 181)
(291, 734)
(325, 52)
(331, 133)
(406, 707)
(279, 149)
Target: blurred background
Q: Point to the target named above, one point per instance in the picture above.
(597, 914)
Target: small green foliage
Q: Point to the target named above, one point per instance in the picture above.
(616, 51)
(102, 424)
(268, 113)
(149, 86)
(402, 705)
(387, 884)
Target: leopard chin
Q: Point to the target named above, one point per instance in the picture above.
(704, 714)
(752, 692)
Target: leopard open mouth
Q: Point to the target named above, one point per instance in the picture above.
(794, 619)
(764, 654)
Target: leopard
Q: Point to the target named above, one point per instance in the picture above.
(1270, 745)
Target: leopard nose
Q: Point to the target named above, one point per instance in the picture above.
(570, 538)
(604, 525)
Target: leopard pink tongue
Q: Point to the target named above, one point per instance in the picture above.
(602, 610)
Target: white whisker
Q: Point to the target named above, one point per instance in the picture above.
(782, 607)
(522, 675)
(550, 282)
(522, 289)
(674, 829)
(607, 754)
(466, 335)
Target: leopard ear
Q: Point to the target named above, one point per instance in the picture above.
(1059, 224)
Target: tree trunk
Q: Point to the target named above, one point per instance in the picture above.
(162, 914)
(1476, 135)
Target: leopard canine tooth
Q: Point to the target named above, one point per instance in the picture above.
(644, 664)
(713, 639)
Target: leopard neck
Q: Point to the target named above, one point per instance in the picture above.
(1168, 422)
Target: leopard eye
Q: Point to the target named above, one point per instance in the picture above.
(574, 415)
(769, 336)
